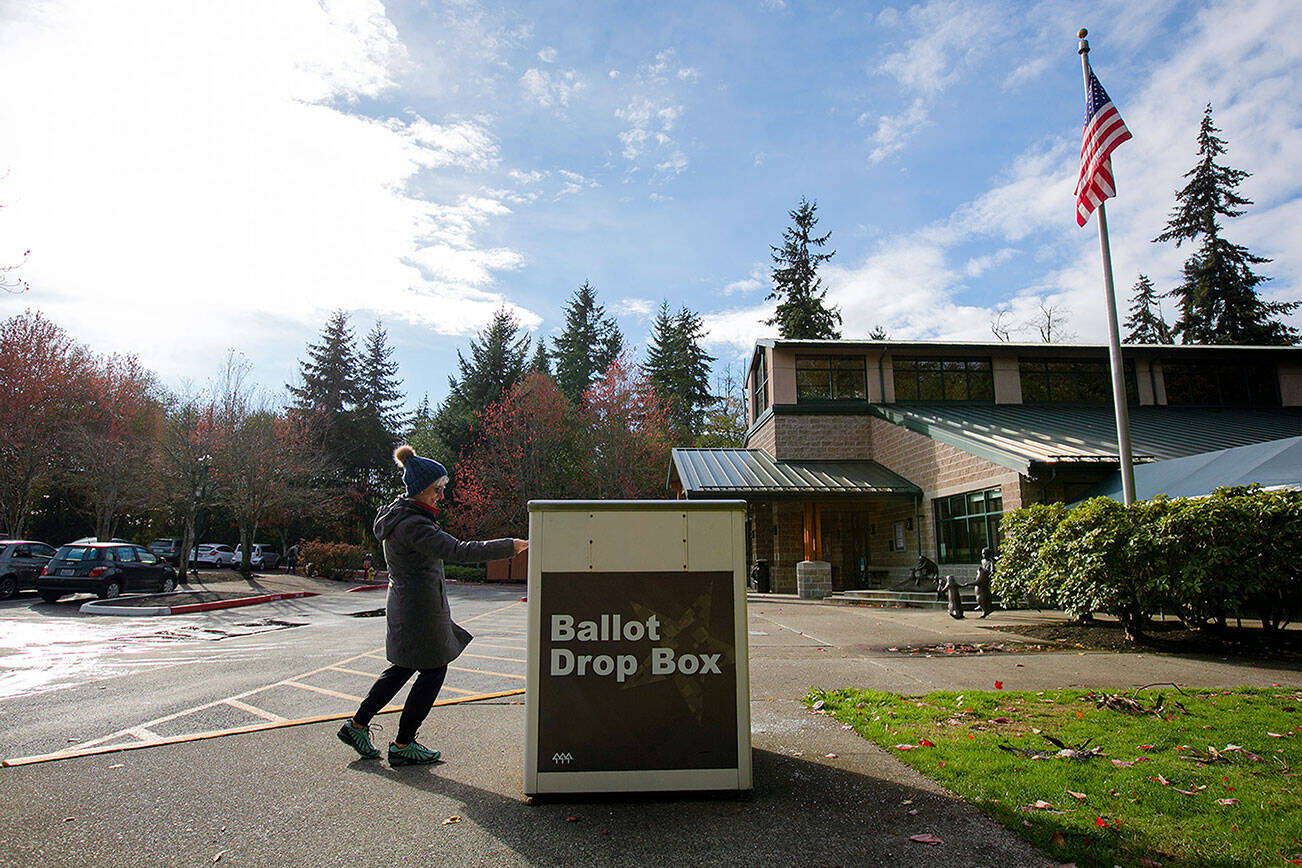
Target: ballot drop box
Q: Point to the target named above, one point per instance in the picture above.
(638, 674)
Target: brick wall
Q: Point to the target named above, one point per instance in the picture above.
(762, 438)
(822, 436)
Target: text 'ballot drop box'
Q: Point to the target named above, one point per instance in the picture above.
(638, 674)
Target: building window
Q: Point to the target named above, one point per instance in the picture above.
(1073, 380)
(830, 378)
(967, 523)
(759, 399)
(1213, 383)
(918, 379)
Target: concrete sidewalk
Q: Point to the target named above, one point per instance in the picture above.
(297, 796)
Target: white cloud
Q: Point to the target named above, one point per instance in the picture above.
(637, 307)
(212, 171)
(894, 131)
(548, 89)
(547, 55)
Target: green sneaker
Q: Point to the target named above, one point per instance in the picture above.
(359, 739)
(411, 755)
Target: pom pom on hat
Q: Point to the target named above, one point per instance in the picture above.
(418, 473)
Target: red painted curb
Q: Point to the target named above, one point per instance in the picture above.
(383, 587)
(242, 601)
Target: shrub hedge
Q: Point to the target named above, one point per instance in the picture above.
(1234, 553)
(331, 560)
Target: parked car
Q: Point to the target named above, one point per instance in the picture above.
(106, 569)
(21, 561)
(213, 555)
(167, 548)
(261, 557)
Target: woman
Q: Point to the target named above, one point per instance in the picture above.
(421, 636)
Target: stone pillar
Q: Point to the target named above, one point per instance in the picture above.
(814, 580)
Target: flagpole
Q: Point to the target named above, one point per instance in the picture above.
(1114, 337)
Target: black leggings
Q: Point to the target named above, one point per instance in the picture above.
(419, 701)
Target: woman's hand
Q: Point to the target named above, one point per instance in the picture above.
(520, 545)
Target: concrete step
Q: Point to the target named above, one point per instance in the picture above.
(908, 599)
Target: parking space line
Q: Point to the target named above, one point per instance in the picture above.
(352, 671)
(255, 711)
(335, 693)
(143, 734)
(487, 672)
(240, 730)
(459, 690)
(487, 657)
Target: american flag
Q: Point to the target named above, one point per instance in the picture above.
(1104, 130)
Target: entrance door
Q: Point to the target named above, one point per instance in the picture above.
(857, 557)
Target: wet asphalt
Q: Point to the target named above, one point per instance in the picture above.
(296, 796)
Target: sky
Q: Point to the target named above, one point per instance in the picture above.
(192, 178)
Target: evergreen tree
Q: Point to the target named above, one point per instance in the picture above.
(330, 375)
(589, 344)
(496, 364)
(1146, 324)
(1218, 298)
(542, 360)
(801, 312)
(379, 416)
(679, 369)
(381, 388)
(329, 392)
(878, 333)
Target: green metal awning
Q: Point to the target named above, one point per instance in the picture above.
(1019, 436)
(724, 473)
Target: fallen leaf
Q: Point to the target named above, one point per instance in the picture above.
(1122, 763)
(999, 685)
(796, 753)
(116, 766)
(1161, 780)
(1040, 804)
(1227, 801)
(1058, 839)
(1276, 734)
(926, 838)
(68, 819)
(924, 743)
(817, 705)
(913, 812)
(450, 820)
(1080, 797)
(942, 764)
(1183, 792)
(829, 756)
(571, 819)
(218, 857)
(906, 747)
(1145, 747)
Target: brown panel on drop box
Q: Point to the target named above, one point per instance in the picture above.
(647, 721)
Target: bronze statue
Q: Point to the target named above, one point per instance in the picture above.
(951, 587)
(984, 572)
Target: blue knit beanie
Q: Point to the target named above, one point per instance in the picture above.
(418, 473)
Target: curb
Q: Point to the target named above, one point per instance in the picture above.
(103, 608)
(383, 587)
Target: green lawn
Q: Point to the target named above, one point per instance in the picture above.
(1144, 801)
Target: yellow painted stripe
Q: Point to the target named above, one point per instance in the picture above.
(335, 693)
(354, 671)
(487, 657)
(487, 672)
(255, 711)
(240, 730)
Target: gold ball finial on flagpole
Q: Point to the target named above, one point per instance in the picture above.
(1083, 47)
(1082, 33)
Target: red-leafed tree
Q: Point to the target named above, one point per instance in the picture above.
(626, 432)
(43, 376)
(113, 446)
(526, 450)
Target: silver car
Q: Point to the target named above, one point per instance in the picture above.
(213, 555)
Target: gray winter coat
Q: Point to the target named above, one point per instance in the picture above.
(421, 633)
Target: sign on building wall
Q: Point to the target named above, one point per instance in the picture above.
(637, 674)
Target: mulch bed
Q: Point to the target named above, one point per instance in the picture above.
(1169, 637)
